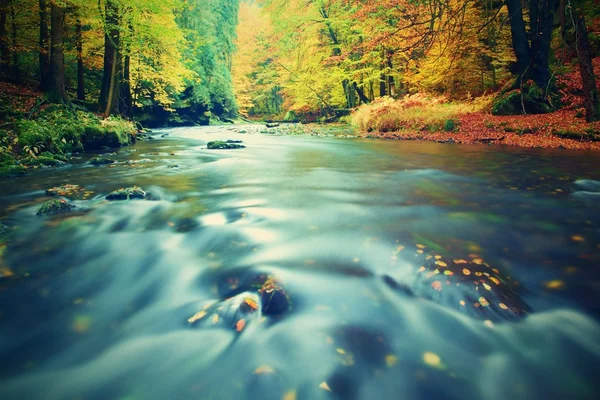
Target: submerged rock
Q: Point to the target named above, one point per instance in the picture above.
(52, 207)
(127, 194)
(221, 145)
(101, 161)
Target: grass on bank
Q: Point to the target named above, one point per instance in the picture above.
(418, 112)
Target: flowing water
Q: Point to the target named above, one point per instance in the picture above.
(409, 270)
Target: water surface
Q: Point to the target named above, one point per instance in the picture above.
(370, 240)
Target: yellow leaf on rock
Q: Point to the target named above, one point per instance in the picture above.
(483, 301)
(448, 272)
(495, 280)
(503, 306)
(577, 238)
(325, 386)
(441, 263)
(462, 303)
(466, 271)
(438, 257)
(215, 318)
(420, 246)
(487, 287)
(460, 261)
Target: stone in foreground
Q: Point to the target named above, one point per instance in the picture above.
(221, 145)
(52, 207)
(127, 194)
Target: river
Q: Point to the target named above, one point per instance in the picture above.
(409, 270)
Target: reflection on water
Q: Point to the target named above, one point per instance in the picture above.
(309, 268)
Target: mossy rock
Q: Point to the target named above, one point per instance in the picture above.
(513, 102)
(127, 194)
(221, 145)
(12, 171)
(52, 207)
(47, 160)
(64, 190)
(101, 161)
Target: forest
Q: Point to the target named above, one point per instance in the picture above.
(392, 68)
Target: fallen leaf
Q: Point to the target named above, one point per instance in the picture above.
(466, 271)
(577, 238)
(215, 318)
(441, 263)
(240, 325)
(325, 386)
(264, 369)
(555, 284)
(483, 301)
(289, 395)
(391, 360)
(503, 306)
(197, 316)
(460, 261)
(251, 303)
(432, 359)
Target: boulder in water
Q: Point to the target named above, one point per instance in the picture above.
(273, 298)
(101, 161)
(134, 192)
(221, 145)
(56, 206)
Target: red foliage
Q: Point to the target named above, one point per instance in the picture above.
(521, 130)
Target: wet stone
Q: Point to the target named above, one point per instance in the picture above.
(52, 207)
(127, 194)
(101, 161)
(221, 145)
(64, 190)
(273, 298)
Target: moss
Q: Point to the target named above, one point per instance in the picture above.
(12, 171)
(49, 161)
(134, 192)
(531, 100)
(52, 207)
(221, 145)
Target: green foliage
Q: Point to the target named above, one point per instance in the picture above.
(450, 125)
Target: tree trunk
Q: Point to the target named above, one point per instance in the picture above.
(125, 98)
(80, 68)
(541, 17)
(15, 55)
(44, 56)
(4, 47)
(390, 82)
(361, 94)
(111, 56)
(519, 38)
(57, 66)
(588, 80)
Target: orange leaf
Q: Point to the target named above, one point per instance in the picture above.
(240, 325)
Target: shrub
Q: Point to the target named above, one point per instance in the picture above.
(416, 112)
